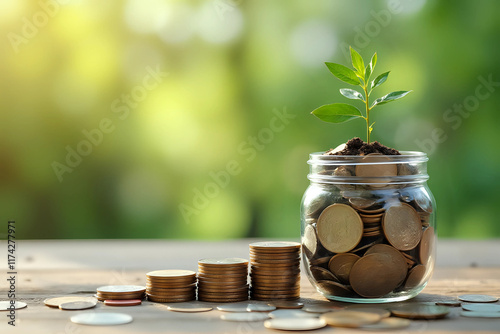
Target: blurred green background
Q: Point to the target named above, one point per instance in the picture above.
(163, 97)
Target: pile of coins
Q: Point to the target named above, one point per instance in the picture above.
(168, 286)
(223, 280)
(120, 292)
(374, 228)
(275, 270)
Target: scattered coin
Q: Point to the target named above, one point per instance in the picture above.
(73, 306)
(247, 316)
(402, 226)
(388, 323)
(320, 308)
(478, 298)
(481, 307)
(475, 314)
(294, 324)
(101, 319)
(283, 304)
(234, 307)
(260, 307)
(291, 314)
(335, 218)
(56, 301)
(450, 302)
(350, 319)
(192, 307)
(383, 313)
(128, 302)
(421, 311)
(6, 304)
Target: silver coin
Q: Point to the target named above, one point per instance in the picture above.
(473, 314)
(233, 307)
(388, 323)
(191, 307)
(478, 298)
(247, 316)
(294, 324)
(451, 302)
(101, 319)
(5, 305)
(80, 305)
(283, 313)
(319, 308)
(481, 307)
(260, 307)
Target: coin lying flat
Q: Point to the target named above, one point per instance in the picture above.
(295, 324)
(283, 245)
(234, 307)
(402, 226)
(320, 308)
(449, 302)
(101, 319)
(339, 228)
(171, 273)
(56, 301)
(384, 277)
(121, 289)
(192, 307)
(292, 314)
(350, 319)
(383, 313)
(421, 311)
(478, 298)
(388, 323)
(260, 307)
(73, 306)
(475, 314)
(6, 304)
(127, 302)
(247, 316)
(481, 307)
(287, 304)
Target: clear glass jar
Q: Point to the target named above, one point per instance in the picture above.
(368, 226)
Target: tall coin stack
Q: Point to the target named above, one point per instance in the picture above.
(275, 270)
(223, 280)
(169, 286)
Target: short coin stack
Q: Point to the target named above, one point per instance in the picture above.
(169, 286)
(120, 292)
(275, 270)
(223, 280)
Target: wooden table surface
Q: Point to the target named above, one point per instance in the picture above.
(76, 267)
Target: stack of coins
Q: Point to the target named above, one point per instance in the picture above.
(120, 292)
(169, 286)
(275, 270)
(223, 280)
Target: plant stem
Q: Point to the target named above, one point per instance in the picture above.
(367, 114)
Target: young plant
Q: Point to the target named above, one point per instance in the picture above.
(360, 76)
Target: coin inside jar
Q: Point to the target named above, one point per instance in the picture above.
(309, 241)
(427, 245)
(402, 226)
(340, 265)
(376, 165)
(339, 228)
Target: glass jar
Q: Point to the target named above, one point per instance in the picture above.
(368, 226)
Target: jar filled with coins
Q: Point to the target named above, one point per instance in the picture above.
(368, 226)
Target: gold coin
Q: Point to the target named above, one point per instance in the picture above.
(223, 290)
(367, 244)
(320, 308)
(382, 312)
(402, 226)
(340, 265)
(166, 274)
(351, 319)
(56, 301)
(415, 277)
(375, 165)
(339, 228)
(282, 245)
(223, 262)
(275, 256)
(119, 296)
(320, 274)
(335, 288)
(294, 324)
(420, 311)
(288, 305)
(169, 300)
(170, 293)
(422, 202)
(309, 241)
(286, 264)
(268, 299)
(371, 211)
(77, 305)
(399, 266)
(375, 215)
(320, 261)
(388, 324)
(169, 286)
(221, 300)
(426, 247)
(374, 275)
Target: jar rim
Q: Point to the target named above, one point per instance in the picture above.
(405, 157)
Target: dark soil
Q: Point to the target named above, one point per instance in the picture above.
(356, 146)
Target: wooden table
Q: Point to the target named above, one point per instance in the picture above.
(76, 267)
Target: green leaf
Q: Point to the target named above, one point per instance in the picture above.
(351, 94)
(390, 97)
(370, 67)
(357, 62)
(343, 73)
(379, 80)
(337, 112)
